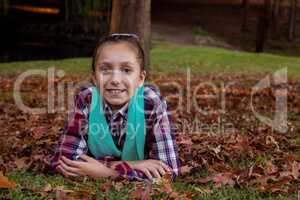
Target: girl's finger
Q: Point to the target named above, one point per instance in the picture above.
(161, 170)
(147, 173)
(166, 167)
(64, 172)
(70, 162)
(68, 168)
(155, 173)
(86, 158)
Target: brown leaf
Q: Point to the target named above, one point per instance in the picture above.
(39, 132)
(5, 183)
(271, 141)
(295, 169)
(64, 194)
(23, 163)
(61, 195)
(141, 192)
(219, 179)
(203, 190)
(47, 188)
(106, 187)
(270, 168)
(119, 186)
(185, 169)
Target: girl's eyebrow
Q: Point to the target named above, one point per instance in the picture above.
(123, 63)
(127, 63)
(105, 62)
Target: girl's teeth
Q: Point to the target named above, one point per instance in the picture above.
(115, 91)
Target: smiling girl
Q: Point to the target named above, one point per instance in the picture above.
(119, 128)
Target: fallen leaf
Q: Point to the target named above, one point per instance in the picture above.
(141, 192)
(219, 179)
(295, 169)
(185, 169)
(39, 132)
(5, 183)
(47, 188)
(270, 168)
(203, 190)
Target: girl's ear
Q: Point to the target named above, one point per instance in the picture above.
(142, 77)
(93, 79)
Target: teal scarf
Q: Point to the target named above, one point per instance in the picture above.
(100, 141)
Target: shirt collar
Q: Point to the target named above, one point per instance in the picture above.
(121, 112)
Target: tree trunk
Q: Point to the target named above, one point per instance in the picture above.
(245, 8)
(292, 20)
(133, 16)
(144, 27)
(275, 18)
(115, 15)
(263, 26)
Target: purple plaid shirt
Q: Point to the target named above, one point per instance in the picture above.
(160, 143)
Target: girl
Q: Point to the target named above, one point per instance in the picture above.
(119, 127)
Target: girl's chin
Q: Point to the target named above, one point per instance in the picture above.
(116, 103)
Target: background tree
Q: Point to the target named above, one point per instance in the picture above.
(292, 20)
(133, 16)
(245, 10)
(263, 25)
(275, 18)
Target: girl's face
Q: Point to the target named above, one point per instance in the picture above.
(118, 73)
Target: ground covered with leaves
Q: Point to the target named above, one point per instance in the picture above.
(225, 150)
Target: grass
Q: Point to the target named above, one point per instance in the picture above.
(29, 185)
(70, 66)
(33, 189)
(169, 58)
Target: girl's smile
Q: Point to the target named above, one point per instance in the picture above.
(115, 93)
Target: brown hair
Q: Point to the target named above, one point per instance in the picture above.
(118, 38)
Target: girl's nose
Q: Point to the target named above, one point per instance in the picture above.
(115, 77)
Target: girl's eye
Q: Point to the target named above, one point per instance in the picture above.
(104, 69)
(126, 70)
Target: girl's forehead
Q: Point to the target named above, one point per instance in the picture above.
(120, 46)
(121, 52)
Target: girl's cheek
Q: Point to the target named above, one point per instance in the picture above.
(102, 79)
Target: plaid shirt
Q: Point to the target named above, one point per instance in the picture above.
(160, 143)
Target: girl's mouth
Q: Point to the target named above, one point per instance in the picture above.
(115, 91)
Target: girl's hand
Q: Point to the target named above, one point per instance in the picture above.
(151, 168)
(88, 167)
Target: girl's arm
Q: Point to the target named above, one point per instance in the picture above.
(72, 143)
(88, 166)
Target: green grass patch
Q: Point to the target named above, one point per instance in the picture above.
(29, 184)
(70, 66)
(169, 58)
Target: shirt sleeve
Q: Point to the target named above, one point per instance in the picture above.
(163, 148)
(126, 172)
(71, 142)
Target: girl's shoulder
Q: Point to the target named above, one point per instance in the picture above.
(84, 94)
(152, 96)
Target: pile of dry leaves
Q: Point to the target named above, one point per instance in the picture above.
(213, 121)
